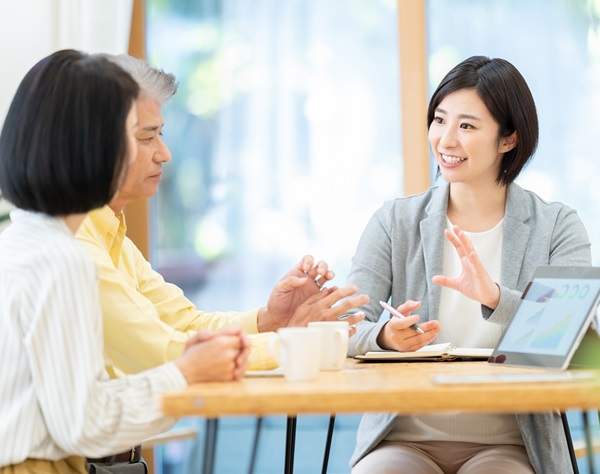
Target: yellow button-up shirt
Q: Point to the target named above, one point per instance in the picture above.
(147, 320)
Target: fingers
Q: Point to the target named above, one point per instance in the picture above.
(245, 341)
(289, 283)
(214, 359)
(346, 305)
(477, 265)
(431, 326)
(305, 264)
(325, 291)
(464, 240)
(340, 293)
(200, 336)
(319, 272)
(399, 324)
(340, 297)
(343, 302)
(328, 305)
(230, 331)
(445, 281)
(398, 335)
(232, 365)
(471, 265)
(327, 275)
(419, 340)
(408, 306)
(354, 319)
(455, 241)
(241, 356)
(462, 244)
(459, 241)
(242, 361)
(321, 295)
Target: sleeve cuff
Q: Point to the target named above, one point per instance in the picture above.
(261, 357)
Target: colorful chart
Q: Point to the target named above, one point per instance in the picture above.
(551, 337)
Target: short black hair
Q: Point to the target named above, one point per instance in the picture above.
(63, 146)
(506, 95)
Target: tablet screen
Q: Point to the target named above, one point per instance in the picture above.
(551, 319)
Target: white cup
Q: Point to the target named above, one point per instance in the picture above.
(334, 343)
(298, 351)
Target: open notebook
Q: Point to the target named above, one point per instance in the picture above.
(432, 352)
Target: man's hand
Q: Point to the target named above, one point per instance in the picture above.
(303, 281)
(328, 305)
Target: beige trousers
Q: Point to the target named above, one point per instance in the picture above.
(73, 464)
(440, 457)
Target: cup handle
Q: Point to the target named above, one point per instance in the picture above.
(341, 352)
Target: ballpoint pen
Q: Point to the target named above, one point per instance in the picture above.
(394, 312)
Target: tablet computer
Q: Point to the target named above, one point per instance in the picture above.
(552, 318)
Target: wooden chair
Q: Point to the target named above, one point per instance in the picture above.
(580, 448)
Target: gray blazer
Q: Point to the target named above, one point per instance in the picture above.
(402, 248)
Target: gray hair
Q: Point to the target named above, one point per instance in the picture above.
(153, 82)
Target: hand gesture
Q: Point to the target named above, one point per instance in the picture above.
(474, 281)
(328, 305)
(303, 281)
(398, 335)
(215, 357)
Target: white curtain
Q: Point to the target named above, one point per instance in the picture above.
(32, 29)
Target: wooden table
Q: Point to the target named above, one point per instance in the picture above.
(405, 388)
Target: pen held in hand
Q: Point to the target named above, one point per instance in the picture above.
(394, 312)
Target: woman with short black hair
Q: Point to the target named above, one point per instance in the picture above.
(64, 149)
(489, 235)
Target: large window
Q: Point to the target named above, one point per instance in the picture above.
(285, 137)
(285, 132)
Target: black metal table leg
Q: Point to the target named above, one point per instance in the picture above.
(569, 439)
(328, 444)
(255, 445)
(210, 445)
(290, 442)
(588, 441)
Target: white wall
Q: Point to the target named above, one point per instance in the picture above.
(32, 29)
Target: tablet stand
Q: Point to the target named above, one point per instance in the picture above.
(587, 354)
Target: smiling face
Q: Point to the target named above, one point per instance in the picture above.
(464, 138)
(145, 172)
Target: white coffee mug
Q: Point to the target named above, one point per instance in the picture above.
(334, 343)
(298, 351)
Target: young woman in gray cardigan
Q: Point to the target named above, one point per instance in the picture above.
(488, 235)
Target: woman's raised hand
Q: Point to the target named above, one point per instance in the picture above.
(474, 280)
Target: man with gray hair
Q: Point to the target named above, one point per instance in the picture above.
(148, 321)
